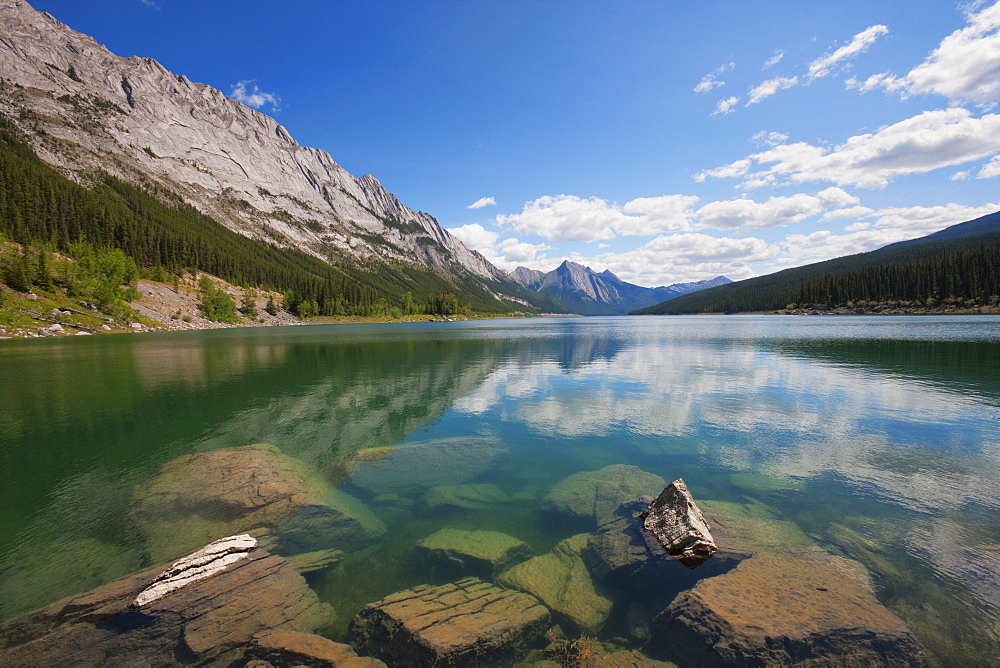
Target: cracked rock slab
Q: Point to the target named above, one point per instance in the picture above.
(792, 608)
(469, 622)
(209, 621)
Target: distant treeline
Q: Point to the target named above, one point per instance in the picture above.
(951, 269)
(38, 206)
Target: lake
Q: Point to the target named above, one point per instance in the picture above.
(876, 438)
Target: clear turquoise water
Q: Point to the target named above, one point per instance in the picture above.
(878, 436)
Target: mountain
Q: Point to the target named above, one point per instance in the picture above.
(957, 265)
(587, 292)
(88, 112)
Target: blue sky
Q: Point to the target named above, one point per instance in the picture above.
(666, 141)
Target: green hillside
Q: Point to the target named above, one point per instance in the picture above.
(39, 207)
(959, 265)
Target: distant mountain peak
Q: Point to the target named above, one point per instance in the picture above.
(591, 293)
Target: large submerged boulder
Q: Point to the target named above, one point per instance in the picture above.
(409, 467)
(202, 610)
(791, 608)
(595, 495)
(479, 553)
(622, 555)
(196, 498)
(469, 622)
(561, 581)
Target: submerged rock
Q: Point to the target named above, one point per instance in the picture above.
(790, 608)
(469, 622)
(740, 537)
(464, 497)
(411, 466)
(621, 554)
(675, 520)
(46, 573)
(309, 562)
(480, 553)
(209, 621)
(293, 648)
(197, 498)
(597, 494)
(561, 581)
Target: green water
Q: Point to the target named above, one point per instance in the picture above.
(878, 437)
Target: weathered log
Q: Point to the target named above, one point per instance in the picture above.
(675, 520)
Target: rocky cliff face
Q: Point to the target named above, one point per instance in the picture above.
(591, 293)
(87, 109)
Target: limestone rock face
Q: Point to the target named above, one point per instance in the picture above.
(198, 498)
(561, 581)
(675, 520)
(132, 117)
(414, 466)
(480, 553)
(790, 608)
(208, 621)
(469, 622)
(597, 494)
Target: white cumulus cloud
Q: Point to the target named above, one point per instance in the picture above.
(880, 228)
(764, 138)
(725, 106)
(989, 170)
(766, 89)
(730, 171)
(691, 256)
(481, 202)
(514, 253)
(822, 66)
(565, 218)
(476, 237)
(742, 214)
(711, 80)
(653, 215)
(572, 218)
(250, 94)
(965, 66)
(774, 60)
(928, 141)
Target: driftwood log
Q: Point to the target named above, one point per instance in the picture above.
(675, 520)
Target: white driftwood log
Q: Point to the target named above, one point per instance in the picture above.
(214, 558)
(678, 524)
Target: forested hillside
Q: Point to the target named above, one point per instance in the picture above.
(39, 207)
(958, 266)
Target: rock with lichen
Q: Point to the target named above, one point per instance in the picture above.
(480, 553)
(469, 622)
(784, 608)
(593, 496)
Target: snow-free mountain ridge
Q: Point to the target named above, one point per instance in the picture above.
(87, 110)
(588, 292)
